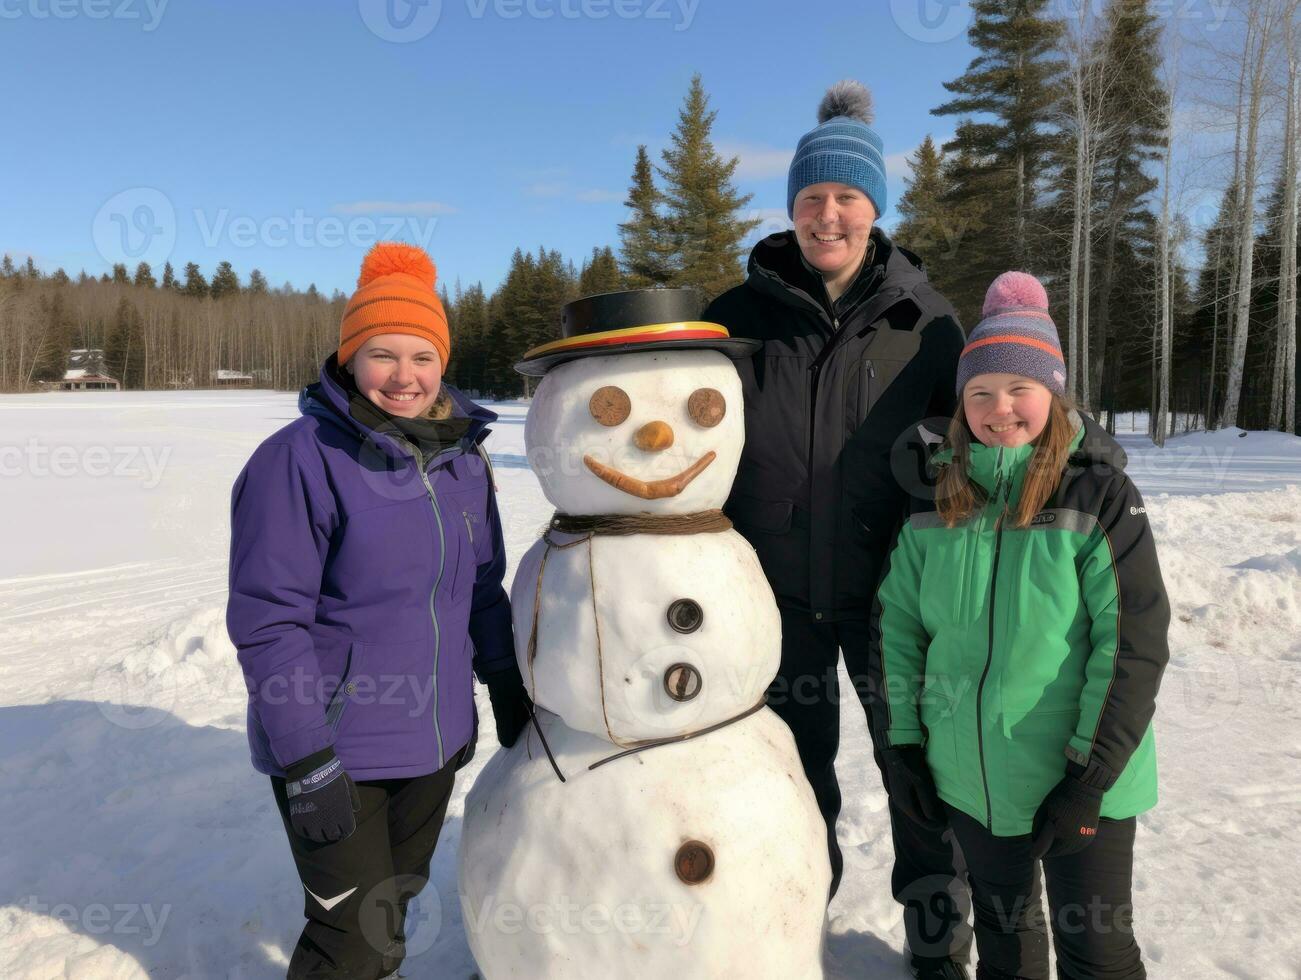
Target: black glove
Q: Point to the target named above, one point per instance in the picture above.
(323, 801)
(911, 786)
(510, 703)
(1067, 819)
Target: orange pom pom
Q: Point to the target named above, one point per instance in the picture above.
(386, 258)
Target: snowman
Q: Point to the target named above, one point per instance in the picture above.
(654, 821)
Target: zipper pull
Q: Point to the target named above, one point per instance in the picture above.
(871, 369)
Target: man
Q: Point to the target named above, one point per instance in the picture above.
(858, 349)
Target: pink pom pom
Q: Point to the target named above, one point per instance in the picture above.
(1014, 289)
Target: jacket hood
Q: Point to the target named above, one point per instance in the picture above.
(1097, 446)
(328, 399)
(777, 268)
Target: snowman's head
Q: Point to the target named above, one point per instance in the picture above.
(656, 432)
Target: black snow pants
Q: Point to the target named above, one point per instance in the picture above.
(1090, 903)
(927, 878)
(358, 892)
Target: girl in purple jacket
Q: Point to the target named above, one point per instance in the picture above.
(366, 571)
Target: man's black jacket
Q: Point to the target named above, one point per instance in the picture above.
(828, 398)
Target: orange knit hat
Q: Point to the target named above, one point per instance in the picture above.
(395, 294)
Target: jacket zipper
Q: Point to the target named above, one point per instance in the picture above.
(465, 514)
(989, 655)
(433, 614)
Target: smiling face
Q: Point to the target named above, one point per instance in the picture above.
(832, 224)
(400, 373)
(654, 432)
(1006, 409)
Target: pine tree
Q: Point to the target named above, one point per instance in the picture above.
(645, 253)
(1131, 103)
(120, 275)
(469, 344)
(30, 270)
(1013, 84)
(124, 349)
(195, 285)
(145, 276)
(7, 267)
(257, 283)
(703, 230)
(927, 226)
(600, 273)
(169, 277)
(225, 282)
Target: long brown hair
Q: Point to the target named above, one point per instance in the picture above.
(957, 497)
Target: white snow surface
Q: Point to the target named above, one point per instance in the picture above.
(136, 839)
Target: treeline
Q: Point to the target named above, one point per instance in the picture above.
(1063, 164)
(160, 330)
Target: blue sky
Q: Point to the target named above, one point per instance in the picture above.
(288, 136)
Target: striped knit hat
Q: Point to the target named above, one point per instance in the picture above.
(842, 148)
(1015, 336)
(395, 294)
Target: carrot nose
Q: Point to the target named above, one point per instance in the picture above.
(653, 437)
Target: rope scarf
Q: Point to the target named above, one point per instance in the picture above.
(590, 526)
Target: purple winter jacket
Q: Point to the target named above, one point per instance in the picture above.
(360, 592)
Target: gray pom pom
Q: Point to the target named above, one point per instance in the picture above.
(847, 98)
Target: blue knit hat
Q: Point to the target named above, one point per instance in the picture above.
(1015, 336)
(842, 148)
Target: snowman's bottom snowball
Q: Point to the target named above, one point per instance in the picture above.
(577, 879)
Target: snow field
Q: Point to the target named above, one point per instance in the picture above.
(135, 838)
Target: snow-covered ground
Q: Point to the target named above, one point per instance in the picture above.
(135, 838)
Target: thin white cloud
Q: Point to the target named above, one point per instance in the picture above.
(896, 164)
(757, 161)
(393, 207)
(544, 188)
(596, 195)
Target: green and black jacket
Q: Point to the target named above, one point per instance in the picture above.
(1013, 652)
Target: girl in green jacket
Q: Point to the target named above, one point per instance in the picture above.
(1022, 636)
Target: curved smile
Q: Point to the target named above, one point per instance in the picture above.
(655, 489)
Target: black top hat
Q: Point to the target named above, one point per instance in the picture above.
(633, 320)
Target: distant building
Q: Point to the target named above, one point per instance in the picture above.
(223, 378)
(85, 373)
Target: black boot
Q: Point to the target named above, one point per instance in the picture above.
(936, 968)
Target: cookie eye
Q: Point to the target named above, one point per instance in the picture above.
(610, 405)
(706, 407)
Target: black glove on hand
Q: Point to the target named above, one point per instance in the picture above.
(323, 802)
(911, 786)
(1067, 819)
(510, 703)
